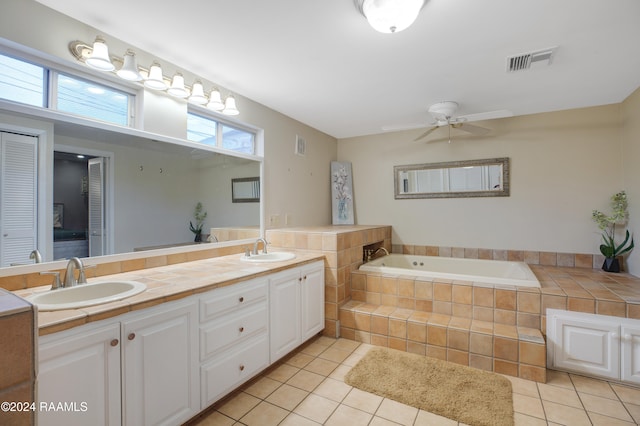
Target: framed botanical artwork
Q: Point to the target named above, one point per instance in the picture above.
(341, 193)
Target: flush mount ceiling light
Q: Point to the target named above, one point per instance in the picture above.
(390, 16)
(97, 57)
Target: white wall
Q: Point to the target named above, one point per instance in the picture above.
(630, 121)
(563, 165)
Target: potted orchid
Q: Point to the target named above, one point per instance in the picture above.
(609, 249)
(199, 216)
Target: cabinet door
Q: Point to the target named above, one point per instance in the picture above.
(82, 369)
(630, 353)
(312, 300)
(587, 346)
(284, 294)
(160, 366)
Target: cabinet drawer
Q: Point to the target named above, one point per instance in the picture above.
(229, 330)
(226, 299)
(232, 368)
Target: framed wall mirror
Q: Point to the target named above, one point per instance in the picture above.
(455, 179)
(245, 190)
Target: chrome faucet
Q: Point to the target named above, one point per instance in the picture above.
(372, 253)
(35, 254)
(264, 246)
(69, 278)
(381, 248)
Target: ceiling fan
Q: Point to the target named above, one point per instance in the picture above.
(443, 114)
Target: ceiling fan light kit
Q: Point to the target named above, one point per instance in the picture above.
(390, 16)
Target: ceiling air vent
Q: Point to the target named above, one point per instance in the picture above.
(524, 61)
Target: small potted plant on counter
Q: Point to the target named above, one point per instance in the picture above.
(199, 217)
(609, 249)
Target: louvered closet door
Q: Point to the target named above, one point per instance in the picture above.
(96, 207)
(18, 197)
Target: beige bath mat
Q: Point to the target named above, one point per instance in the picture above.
(460, 393)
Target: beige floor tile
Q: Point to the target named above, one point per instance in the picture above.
(321, 366)
(316, 408)
(600, 420)
(593, 386)
(300, 360)
(345, 345)
(333, 389)
(353, 359)
(524, 420)
(363, 348)
(634, 410)
(530, 406)
(429, 419)
(262, 387)
(559, 395)
(559, 378)
(564, 415)
(397, 412)
(328, 341)
(283, 373)
(348, 416)
(379, 421)
(523, 387)
(627, 393)
(264, 414)
(216, 419)
(287, 397)
(305, 380)
(314, 349)
(340, 372)
(605, 406)
(239, 405)
(364, 401)
(294, 419)
(335, 355)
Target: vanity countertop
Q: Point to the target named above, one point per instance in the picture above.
(164, 284)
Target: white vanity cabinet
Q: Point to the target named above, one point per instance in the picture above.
(160, 382)
(597, 345)
(234, 337)
(80, 366)
(137, 369)
(296, 307)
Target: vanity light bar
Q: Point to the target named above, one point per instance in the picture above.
(98, 57)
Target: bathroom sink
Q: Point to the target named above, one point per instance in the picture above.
(277, 256)
(86, 295)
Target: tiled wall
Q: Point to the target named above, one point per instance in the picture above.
(17, 357)
(342, 247)
(571, 260)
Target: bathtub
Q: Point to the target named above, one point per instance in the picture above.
(498, 272)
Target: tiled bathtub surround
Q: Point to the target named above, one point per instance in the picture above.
(545, 258)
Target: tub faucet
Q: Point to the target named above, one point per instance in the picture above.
(372, 253)
(383, 249)
(264, 246)
(69, 279)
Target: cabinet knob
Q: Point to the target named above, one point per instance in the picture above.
(305, 277)
(300, 279)
(241, 329)
(241, 367)
(131, 336)
(114, 342)
(241, 299)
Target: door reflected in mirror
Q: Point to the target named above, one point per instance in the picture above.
(471, 178)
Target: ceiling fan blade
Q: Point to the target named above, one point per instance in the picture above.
(489, 115)
(425, 134)
(474, 130)
(399, 127)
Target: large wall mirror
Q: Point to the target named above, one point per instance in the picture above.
(146, 189)
(470, 178)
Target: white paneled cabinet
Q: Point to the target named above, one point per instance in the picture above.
(80, 366)
(296, 307)
(597, 345)
(160, 366)
(139, 369)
